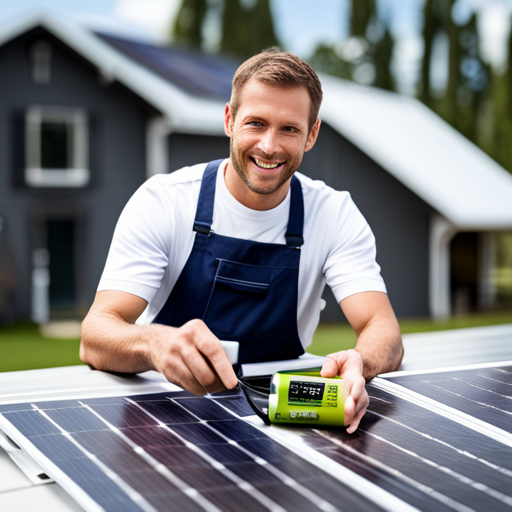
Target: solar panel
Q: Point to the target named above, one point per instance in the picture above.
(174, 451)
(193, 71)
(483, 393)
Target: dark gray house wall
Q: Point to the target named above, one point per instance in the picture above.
(187, 149)
(117, 154)
(399, 219)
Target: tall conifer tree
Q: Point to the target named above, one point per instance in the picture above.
(187, 30)
(247, 29)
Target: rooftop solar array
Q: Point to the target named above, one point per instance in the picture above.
(174, 451)
(193, 71)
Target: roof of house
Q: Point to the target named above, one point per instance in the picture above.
(423, 152)
(403, 136)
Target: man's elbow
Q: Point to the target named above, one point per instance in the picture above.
(399, 355)
(85, 344)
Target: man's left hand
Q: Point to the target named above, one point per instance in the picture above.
(348, 364)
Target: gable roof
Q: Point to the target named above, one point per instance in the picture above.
(423, 152)
(403, 136)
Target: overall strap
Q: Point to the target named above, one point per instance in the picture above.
(295, 228)
(204, 212)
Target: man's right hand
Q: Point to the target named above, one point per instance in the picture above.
(193, 358)
(190, 356)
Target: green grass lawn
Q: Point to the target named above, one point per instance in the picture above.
(331, 338)
(22, 347)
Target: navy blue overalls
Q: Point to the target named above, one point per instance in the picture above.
(243, 290)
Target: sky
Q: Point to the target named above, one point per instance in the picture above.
(300, 24)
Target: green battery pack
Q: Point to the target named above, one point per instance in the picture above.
(300, 397)
(306, 398)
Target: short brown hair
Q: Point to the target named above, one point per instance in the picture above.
(281, 69)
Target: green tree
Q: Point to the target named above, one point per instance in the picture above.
(362, 13)
(247, 26)
(187, 30)
(463, 100)
(246, 29)
(366, 55)
(430, 26)
(382, 56)
(497, 142)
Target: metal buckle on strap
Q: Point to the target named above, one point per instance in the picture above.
(202, 227)
(294, 240)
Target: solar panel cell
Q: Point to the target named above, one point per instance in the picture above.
(175, 503)
(234, 500)
(57, 447)
(177, 457)
(339, 493)
(31, 423)
(237, 405)
(236, 430)
(126, 463)
(168, 412)
(15, 407)
(122, 416)
(205, 408)
(205, 478)
(226, 453)
(100, 442)
(83, 466)
(77, 419)
(288, 498)
(198, 434)
(152, 436)
(148, 482)
(267, 450)
(253, 472)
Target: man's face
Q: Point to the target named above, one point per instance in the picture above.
(269, 136)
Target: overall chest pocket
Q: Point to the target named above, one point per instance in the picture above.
(252, 302)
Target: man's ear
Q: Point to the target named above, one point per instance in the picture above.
(228, 120)
(313, 134)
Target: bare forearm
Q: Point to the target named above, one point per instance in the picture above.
(380, 346)
(190, 356)
(112, 344)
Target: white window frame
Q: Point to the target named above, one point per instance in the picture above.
(77, 175)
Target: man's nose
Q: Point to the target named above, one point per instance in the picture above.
(268, 143)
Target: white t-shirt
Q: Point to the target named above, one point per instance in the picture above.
(154, 237)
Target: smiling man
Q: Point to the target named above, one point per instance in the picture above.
(241, 250)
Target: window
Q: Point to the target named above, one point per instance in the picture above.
(41, 55)
(56, 147)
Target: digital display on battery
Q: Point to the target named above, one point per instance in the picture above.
(302, 392)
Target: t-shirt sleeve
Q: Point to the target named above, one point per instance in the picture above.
(138, 254)
(351, 265)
